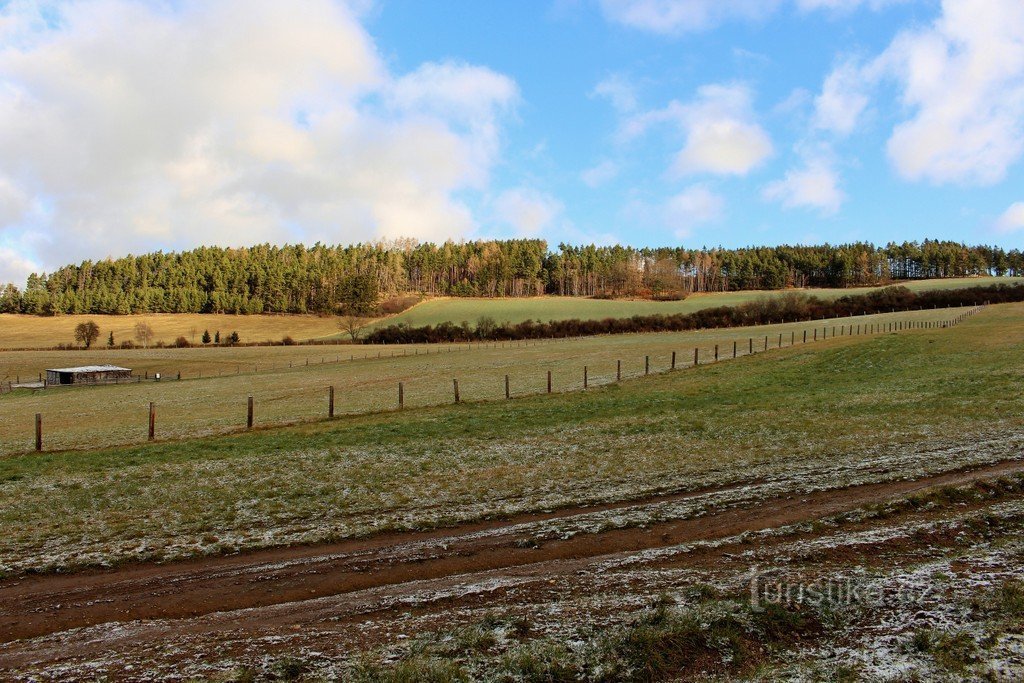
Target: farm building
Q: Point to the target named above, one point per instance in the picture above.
(88, 374)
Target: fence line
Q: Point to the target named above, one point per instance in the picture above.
(843, 330)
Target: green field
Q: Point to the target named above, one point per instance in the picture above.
(211, 398)
(544, 309)
(833, 410)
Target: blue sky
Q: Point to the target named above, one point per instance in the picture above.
(132, 126)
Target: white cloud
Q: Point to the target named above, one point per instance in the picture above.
(963, 78)
(842, 100)
(680, 16)
(674, 17)
(843, 6)
(722, 135)
(815, 185)
(527, 211)
(14, 267)
(598, 175)
(693, 206)
(151, 126)
(1012, 219)
(619, 91)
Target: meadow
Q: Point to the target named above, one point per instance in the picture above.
(290, 383)
(820, 415)
(31, 331)
(457, 310)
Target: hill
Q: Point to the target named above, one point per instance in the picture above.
(352, 279)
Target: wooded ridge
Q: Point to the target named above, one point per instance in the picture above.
(352, 279)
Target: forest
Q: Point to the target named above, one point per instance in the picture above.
(351, 279)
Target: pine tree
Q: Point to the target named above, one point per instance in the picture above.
(206, 336)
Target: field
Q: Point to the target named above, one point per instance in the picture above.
(29, 332)
(290, 384)
(614, 530)
(544, 309)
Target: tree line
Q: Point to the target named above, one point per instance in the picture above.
(787, 307)
(354, 279)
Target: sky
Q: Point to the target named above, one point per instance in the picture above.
(135, 126)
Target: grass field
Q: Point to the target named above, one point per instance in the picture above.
(30, 331)
(544, 309)
(215, 384)
(824, 413)
(23, 331)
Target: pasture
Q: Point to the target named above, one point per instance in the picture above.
(290, 384)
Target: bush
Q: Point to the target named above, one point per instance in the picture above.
(288, 341)
(181, 343)
(397, 304)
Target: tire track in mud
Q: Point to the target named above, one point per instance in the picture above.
(35, 606)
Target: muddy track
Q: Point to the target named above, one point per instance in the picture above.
(40, 605)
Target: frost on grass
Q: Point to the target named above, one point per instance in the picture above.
(170, 511)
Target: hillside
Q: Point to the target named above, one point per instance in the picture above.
(351, 279)
(30, 331)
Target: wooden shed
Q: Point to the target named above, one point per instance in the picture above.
(88, 374)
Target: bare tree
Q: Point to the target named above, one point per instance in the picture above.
(192, 331)
(352, 325)
(143, 333)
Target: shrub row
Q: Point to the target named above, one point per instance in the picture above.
(789, 307)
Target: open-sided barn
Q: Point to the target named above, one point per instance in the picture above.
(88, 374)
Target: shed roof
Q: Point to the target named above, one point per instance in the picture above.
(89, 368)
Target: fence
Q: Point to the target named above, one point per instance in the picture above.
(710, 356)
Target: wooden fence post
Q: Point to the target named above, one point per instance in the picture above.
(815, 334)
(647, 365)
(401, 395)
(508, 391)
(455, 384)
(780, 340)
(766, 342)
(584, 376)
(330, 401)
(750, 345)
(152, 421)
(716, 353)
(248, 420)
(673, 360)
(695, 357)
(549, 381)
(39, 431)
(792, 338)
(618, 368)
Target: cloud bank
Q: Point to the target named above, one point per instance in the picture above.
(127, 126)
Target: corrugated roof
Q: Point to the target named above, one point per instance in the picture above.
(89, 368)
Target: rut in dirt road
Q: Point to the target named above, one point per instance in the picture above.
(36, 606)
